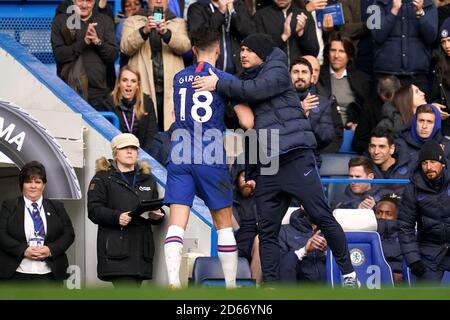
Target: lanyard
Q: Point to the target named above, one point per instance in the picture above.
(126, 180)
(35, 223)
(130, 129)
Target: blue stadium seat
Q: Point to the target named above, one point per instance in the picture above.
(347, 139)
(207, 271)
(368, 260)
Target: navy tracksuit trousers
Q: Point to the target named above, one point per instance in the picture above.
(297, 177)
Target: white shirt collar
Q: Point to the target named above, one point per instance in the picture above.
(29, 202)
(334, 73)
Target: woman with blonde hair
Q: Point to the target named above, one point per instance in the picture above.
(135, 109)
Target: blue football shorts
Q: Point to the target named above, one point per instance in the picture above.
(211, 184)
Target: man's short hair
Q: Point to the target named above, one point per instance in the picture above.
(392, 198)
(204, 38)
(302, 61)
(382, 132)
(365, 162)
(425, 108)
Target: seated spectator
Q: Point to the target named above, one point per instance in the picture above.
(245, 221)
(360, 195)
(441, 84)
(404, 104)
(302, 249)
(334, 146)
(82, 53)
(425, 126)
(388, 163)
(381, 110)
(35, 232)
(155, 51)
(292, 28)
(317, 108)
(386, 212)
(340, 81)
(134, 109)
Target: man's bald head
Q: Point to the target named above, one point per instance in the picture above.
(315, 66)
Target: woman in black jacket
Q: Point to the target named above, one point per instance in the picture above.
(135, 110)
(35, 232)
(125, 244)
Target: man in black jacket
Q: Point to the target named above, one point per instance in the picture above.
(425, 202)
(292, 29)
(268, 89)
(91, 39)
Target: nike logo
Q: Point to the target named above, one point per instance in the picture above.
(306, 173)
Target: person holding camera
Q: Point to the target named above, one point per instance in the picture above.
(125, 246)
(155, 39)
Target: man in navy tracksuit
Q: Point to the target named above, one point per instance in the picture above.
(266, 85)
(425, 203)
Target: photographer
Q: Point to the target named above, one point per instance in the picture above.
(155, 39)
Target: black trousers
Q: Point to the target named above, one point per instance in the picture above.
(299, 179)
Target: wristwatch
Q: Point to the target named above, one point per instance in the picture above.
(420, 14)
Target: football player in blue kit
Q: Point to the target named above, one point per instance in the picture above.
(197, 161)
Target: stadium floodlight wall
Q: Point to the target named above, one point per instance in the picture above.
(27, 83)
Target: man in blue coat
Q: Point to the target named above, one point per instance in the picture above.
(425, 203)
(266, 86)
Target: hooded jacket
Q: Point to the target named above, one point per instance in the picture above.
(426, 205)
(121, 251)
(409, 143)
(351, 200)
(388, 231)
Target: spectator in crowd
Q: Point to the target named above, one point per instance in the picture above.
(388, 163)
(327, 23)
(129, 8)
(303, 248)
(317, 108)
(441, 84)
(291, 28)
(155, 50)
(245, 221)
(101, 6)
(386, 212)
(403, 42)
(334, 146)
(357, 29)
(35, 232)
(425, 126)
(360, 195)
(443, 8)
(404, 104)
(125, 246)
(233, 21)
(340, 81)
(134, 109)
(266, 85)
(83, 51)
(425, 205)
(380, 113)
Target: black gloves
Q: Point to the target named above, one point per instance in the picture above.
(417, 268)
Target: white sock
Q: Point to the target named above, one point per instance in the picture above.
(172, 251)
(351, 275)
(228, 255)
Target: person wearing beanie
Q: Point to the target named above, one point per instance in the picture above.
(125, 246)
(441, 82)
(425, 204)
(286, 152)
